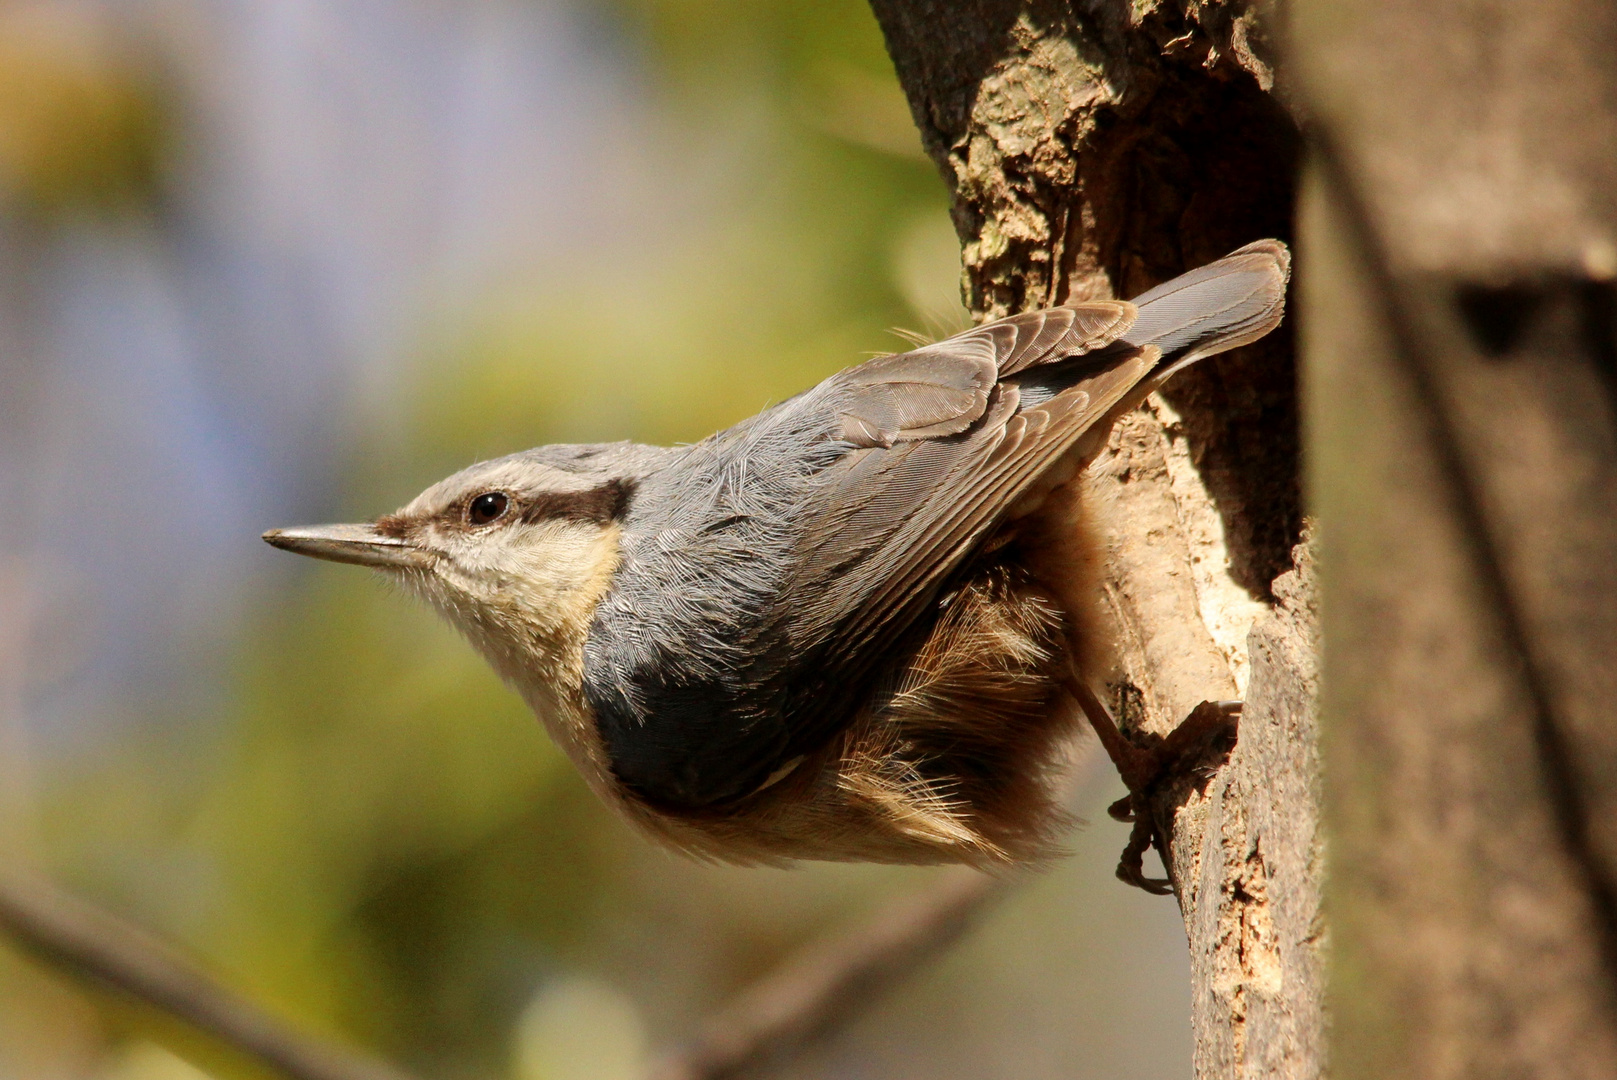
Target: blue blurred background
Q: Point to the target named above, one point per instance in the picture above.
(268, 262)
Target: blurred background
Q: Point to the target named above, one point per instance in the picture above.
(269, 262)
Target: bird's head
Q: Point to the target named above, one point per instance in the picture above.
(515, 552)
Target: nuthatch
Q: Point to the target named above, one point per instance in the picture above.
(858, 625)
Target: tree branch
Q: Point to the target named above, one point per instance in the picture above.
(92, 943)
(808, 996)
(1095, 149)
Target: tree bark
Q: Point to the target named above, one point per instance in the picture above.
(1094, 149)
(1461, 224)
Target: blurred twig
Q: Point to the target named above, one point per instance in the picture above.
(828, 981)
(74, 935)
(831, 979)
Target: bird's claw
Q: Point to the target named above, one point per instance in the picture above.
(1131, 865)
(1144, 769)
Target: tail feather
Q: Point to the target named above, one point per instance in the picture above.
(1220, 306)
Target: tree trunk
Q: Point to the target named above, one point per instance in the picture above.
(1093, 150)
(1461, 225)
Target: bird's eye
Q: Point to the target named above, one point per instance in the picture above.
(486, 507)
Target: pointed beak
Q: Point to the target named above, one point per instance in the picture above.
(358, 544)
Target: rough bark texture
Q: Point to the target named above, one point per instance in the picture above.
(1462, 357)
(1094, 149)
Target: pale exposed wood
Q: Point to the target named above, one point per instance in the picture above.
(1251, 889)
(1246, 854)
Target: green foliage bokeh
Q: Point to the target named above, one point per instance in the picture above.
(375, 838)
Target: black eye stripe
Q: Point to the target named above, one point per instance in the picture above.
(598, 505)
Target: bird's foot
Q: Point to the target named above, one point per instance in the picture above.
(1146, 768)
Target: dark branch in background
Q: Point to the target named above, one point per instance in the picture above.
(827, 983)
(1465, 467)
(1415, 351)
(90, 942)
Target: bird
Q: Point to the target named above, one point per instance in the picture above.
(862, 625)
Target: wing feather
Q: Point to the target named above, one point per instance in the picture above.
(767, 576)
(931, 508)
